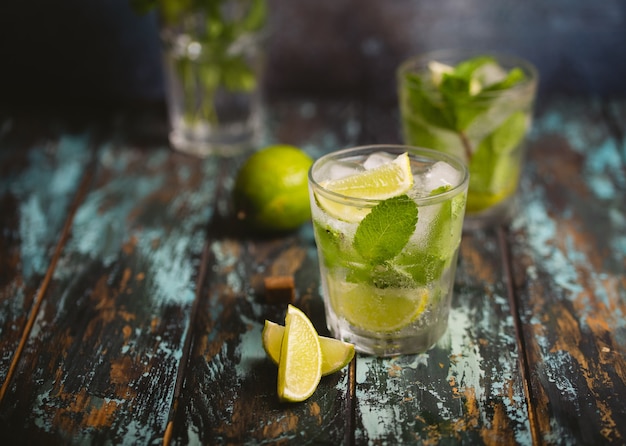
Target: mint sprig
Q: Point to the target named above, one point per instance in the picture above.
(459, 98)
(379, 254)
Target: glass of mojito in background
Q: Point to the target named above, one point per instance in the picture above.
(388, 221)
(475, 106)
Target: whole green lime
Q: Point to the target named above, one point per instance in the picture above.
(271, 192)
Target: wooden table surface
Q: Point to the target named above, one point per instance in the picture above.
(131, 307)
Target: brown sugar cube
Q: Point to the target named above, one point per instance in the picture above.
(279, 289)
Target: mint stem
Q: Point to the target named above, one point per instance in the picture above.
(467, 146)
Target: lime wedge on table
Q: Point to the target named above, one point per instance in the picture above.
(383, 310)
(379, 183)
(336, 354)
(300, 365)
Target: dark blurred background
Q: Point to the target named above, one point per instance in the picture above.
(100, 52)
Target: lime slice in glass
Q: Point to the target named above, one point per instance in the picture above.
(374, 309)
(379, 183)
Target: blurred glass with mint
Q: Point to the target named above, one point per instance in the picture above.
(475, 106)
(213, 61)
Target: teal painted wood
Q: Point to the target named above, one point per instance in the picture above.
(568, 243)
(41, 167)
(230, 394)
(102, 361)
(230, 391)
(106, 361)
(468, 389)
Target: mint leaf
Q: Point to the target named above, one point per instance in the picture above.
(387, 275)
(423, 267)
(490, 168)
(383, 232)
(422, 134)
(444, 236)
(256, 17)
(382, 275)
(468, 68)
(332, 245)
(237, 75)
(514, 77)
(421, 99)
(454, 87)
(428, 263)
(440, 190)
(508, 135)
(440, 229)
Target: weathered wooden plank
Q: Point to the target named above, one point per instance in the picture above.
(230, 395)
(468, 389)
(230, 391)
(101, 364)
(569, 252)
(41, 167)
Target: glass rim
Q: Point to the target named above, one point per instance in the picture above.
(397, 149)
(458, 55)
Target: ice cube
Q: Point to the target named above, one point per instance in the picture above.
(437, 70)
(418, 190)
(425, 217)
(440, 174)
(489, 74)
(339, 169)
(377, 159)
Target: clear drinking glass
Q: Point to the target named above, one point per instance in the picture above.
(477, 106)
(387, 266)
(213, 65)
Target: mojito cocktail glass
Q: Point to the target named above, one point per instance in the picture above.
(387, 221)
(475, 106)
